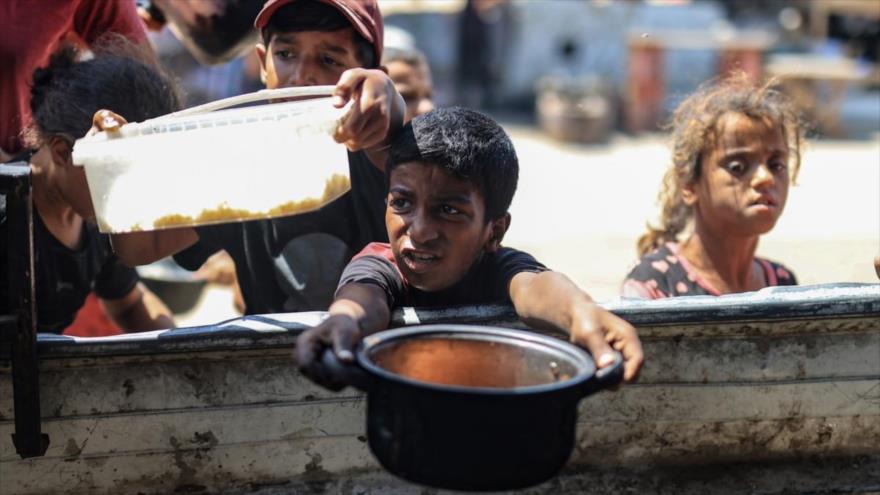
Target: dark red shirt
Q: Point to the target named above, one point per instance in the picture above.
(32, 30)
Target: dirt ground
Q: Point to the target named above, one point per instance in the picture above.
(850, 476)
(580, 209)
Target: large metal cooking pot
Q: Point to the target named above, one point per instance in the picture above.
(472, 408)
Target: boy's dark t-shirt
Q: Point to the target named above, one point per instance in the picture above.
(486, 282)
(293, 263)
(63, 276)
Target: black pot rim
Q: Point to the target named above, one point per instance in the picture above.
(584, 374)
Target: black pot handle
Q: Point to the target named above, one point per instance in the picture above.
(352, 374)
(607, 377)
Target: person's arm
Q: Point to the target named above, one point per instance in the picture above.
(219, 268)
(142, 248)
(376, 113)
(138, 311)
(550, 300)
(152, 17)
(359, 310)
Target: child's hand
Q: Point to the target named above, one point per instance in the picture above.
(550, 299)
(600, 330)
(377, 108)
(106, 120)
(218, 269)
(153, 18)
(339, 333)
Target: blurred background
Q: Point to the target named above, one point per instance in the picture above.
(584, 88)
(609, 65)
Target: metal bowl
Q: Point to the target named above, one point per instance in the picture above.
(472, 408)
(477, 360)
(177, 287)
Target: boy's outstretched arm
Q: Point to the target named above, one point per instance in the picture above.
(551, 300)
(376, 113)
(139, 311)
(359, 310)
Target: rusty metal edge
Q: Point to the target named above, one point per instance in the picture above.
(29, 440)
(827, 301)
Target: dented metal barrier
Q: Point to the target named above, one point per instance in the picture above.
(780, 377)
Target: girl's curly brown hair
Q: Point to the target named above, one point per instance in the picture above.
(693, 127)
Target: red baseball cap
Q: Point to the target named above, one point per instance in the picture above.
(364, 16)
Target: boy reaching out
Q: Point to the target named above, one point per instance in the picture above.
(451, 176)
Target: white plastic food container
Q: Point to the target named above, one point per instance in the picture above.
(195, 168)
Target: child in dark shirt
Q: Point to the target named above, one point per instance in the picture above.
(293, 263)
(409, 70)
(72, 258)
(736, 148)
(451, 175)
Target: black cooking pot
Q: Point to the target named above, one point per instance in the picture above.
(472, 408)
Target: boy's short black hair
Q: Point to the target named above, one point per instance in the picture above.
(467, 144)
(311, 15)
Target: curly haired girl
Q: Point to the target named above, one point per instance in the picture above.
(72, 258)
(736, 147)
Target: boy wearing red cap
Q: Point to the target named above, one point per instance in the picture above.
(293, 263)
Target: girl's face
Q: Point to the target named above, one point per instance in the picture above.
(68, 179)
(744, 179)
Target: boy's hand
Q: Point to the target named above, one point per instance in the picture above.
(153, 18)
(549, 299)
(218, 269)
(376, 111)
(106, 120)
(599, 331)
(339, 333)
